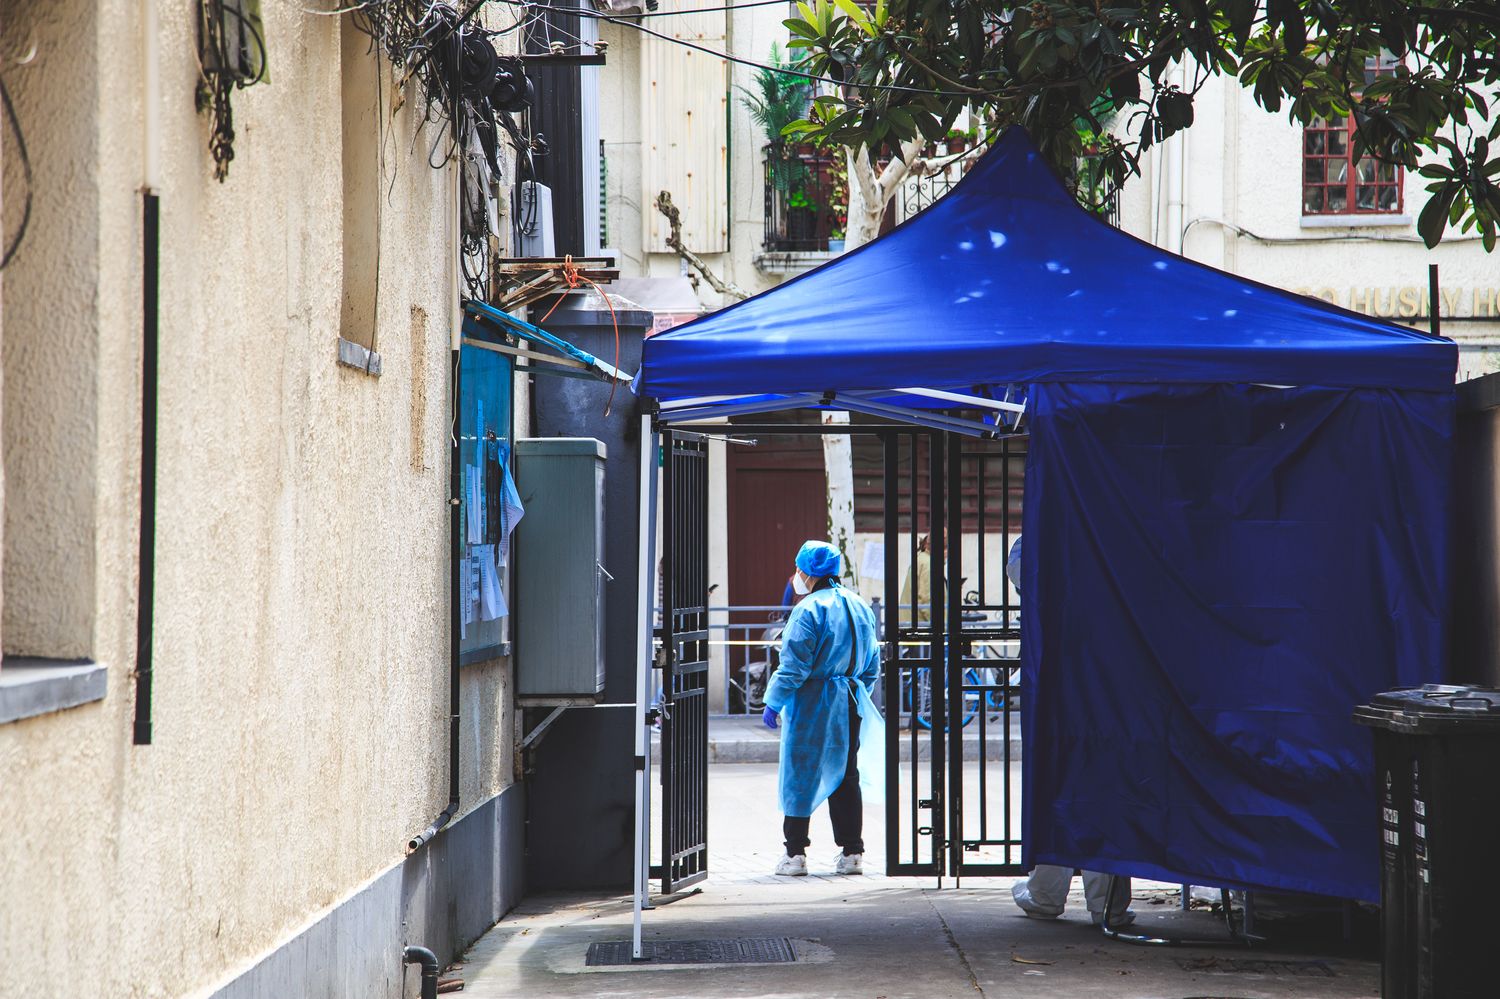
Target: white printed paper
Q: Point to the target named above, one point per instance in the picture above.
(474, 503)
(513, 512)
(872, 564)
(491, 597)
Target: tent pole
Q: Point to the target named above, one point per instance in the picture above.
(1434, 307)
(645, 576)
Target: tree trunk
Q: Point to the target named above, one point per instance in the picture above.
(838, 460)
(865, 203)
(868, 195)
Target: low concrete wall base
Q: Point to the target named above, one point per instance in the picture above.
(443, 897)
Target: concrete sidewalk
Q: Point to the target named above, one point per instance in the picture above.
(877, 937)
(890, 939)
(741, 739)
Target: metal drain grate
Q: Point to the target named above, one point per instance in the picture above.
(737, 950)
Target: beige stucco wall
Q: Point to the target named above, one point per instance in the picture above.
(302, 547)
(52, 492)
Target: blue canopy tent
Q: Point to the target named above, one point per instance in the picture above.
(1236, 515)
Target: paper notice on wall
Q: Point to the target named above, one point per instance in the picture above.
(468, 578)
(491, 596)
(513, 512)
(872, 564)
(474, 504)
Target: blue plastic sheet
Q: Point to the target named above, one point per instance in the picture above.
(1216, 575)
(1007, 280)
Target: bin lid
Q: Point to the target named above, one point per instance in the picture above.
(1433, 707)
(553, 446)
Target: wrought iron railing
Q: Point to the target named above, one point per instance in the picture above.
(806, 200)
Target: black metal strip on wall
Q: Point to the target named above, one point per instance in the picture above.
(146, 582)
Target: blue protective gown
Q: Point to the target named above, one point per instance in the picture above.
(811, 690)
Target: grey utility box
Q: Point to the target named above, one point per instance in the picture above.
(560, 574)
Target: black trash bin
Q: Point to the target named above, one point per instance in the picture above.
(1437, 764)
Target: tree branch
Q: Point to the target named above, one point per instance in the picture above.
(674, 240)
(896, 170)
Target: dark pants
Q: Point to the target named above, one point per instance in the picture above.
(846, 806)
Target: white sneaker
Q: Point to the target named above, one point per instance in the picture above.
(792, 867)
(849, 863)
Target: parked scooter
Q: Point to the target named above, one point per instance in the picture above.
(758, 674)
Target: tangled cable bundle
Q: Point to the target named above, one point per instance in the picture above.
(231, 56)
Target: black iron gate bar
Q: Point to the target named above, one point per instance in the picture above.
(967, 634)
(914, 653)
(684, 662)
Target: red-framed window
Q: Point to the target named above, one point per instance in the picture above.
(1332, 183)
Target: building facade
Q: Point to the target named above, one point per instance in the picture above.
(1248, 192)
(306, 313)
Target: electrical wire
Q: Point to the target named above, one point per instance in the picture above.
(711, 10)
(25, 157)
(627, 22)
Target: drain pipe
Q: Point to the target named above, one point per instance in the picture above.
(455, 537)
(454, 540)
(429, 962)
(150, 333)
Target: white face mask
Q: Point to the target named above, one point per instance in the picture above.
(799, 585)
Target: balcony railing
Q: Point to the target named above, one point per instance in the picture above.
(805, 199)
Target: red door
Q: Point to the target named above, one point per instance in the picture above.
(777, 500)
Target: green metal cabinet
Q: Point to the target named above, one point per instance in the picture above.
(559, 571)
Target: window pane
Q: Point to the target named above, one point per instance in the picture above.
(1364, 198)
(1337, 171)
(1387, 198)
(1338, 199)
(1338, 143)
(1385, 173)
(1312, 200)
(1314, 141)
(1364, 171)
(1312, 171)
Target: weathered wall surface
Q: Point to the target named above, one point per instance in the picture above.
(52, 349)
(302, 536)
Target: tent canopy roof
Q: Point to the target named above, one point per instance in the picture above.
(1006, 280)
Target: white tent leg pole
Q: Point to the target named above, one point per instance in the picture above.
(645, 577)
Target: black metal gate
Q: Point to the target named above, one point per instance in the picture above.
(984, 783)
(915, 624)
(683, 662)
(950, 688)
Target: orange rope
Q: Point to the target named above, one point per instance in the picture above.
(572, 277)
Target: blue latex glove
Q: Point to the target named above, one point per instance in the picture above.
(772, 718)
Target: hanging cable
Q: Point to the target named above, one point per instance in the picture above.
(25, 158)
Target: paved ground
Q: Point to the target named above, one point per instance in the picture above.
(876, 937)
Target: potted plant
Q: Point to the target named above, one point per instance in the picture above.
(801, 216)
(838, 204)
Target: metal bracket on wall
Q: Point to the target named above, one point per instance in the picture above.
(541, 729)
(535, 735)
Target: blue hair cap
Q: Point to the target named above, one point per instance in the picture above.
(818, 558)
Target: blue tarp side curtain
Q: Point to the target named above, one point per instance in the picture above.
(1217, 569)
(1218, 574)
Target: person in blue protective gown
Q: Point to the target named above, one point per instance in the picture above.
(819, 696)
(1044, 893)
